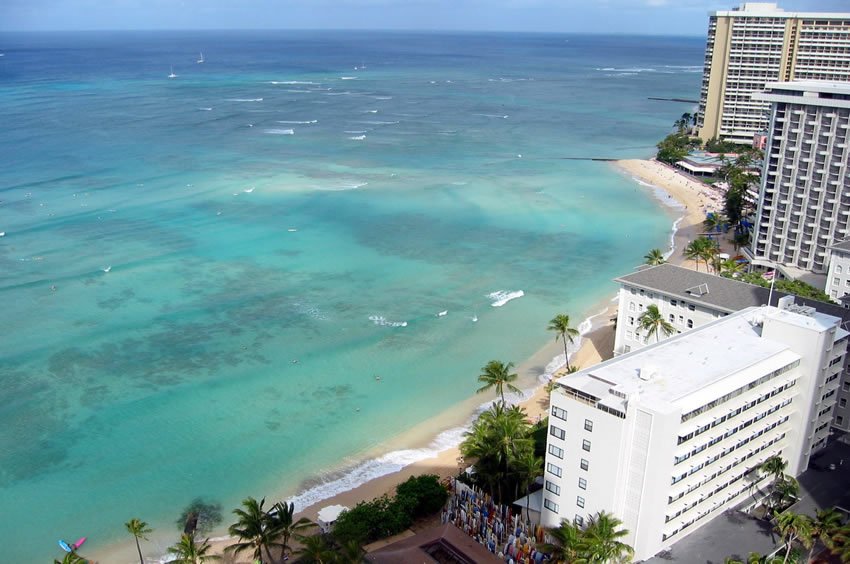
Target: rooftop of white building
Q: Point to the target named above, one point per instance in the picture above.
(773, 10)
(681, 371)
(812, 92)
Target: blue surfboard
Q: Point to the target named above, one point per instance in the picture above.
(65, 546)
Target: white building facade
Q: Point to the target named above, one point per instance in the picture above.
(758, 43)
(804, 200)
(838, 275)
(667, 437)
(691, 298)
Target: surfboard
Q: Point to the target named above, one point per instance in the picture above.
(64, 546)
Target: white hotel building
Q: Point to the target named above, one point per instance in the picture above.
(667, 437)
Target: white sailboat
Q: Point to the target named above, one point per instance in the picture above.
(200, 58)
(172, 75)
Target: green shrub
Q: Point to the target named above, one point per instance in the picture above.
(422, 495)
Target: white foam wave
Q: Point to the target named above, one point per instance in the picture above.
(295, 122)
(358, 138)
(492, 116)
(382, 321)
(355, 131)
(630, 70)
(348, 78)
(205, 109)
(371, 111)
(280, 131)
(381, 466)
(292, 82)
(244, 99)
(382, 97)
(342, 187)
(501, 297)
(298, 91)
(381, 122)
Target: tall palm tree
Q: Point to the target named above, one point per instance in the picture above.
(140, 530)
(568, 543)
(188, 551)
(314, 550)
(252, 528)
(653, 322)
(774, 466)
(560, 324)
(840, 543)
(692, 252)
(784, 492)
(715, 222)
(824, 526)
(527, 466)
(602, 539)
(498, 375)
(654, 257)
(794, 528)
(283, 525)
(731, 267)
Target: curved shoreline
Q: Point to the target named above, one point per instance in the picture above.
(433, 445)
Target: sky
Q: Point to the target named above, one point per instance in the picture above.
(651, 17)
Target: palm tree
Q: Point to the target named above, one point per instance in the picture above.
(794, 527)
(498, 375)
(730, 268)
(71, 558)
(840, 543)
(654, 257)
(774, 466)
(282, 524)
(692, 252)
(527, 467)
(140, 530)
(652, 322)
(715, 221)
(253, 530)
(314, 550)
(784, 492)
(568, 543)
(560, 324)
(350, 553)
(824, 526)
(602, 537)
(188, 551)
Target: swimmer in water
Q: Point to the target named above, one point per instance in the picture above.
(377, 378)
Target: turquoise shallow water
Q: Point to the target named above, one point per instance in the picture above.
(274, 204)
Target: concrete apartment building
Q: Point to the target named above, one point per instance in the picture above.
(838, 277)
(668, 437)
(758, 43)
(804, 200)
(689, 299)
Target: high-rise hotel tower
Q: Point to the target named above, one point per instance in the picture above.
(804, 200)
(758, 43)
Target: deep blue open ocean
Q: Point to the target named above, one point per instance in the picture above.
(174, 245)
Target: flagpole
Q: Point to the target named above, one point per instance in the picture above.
(770, 294)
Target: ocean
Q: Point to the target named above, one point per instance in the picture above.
(202, 276)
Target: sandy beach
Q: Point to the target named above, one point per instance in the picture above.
(597, 345)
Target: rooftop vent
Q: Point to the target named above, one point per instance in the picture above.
(647, 373)
(808, 311)
(698, 291)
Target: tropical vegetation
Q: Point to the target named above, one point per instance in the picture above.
(654, 323)
(597, 542)
(497, 375)
(261, 531)
(796, 287)
(189, 551)
(654, 257)
(701, 249)
(499, 442)
(560, 324)
(140, 530)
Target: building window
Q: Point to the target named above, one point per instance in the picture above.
(582, 483)
(631, 306)
(588, 425)
(681, 319)
(580, 501)
(631, 320)
(839, 420)
(630, 335)
(842, 402)
(556, 452)
(584, 464)
(846, 386)
(557, 432)
(834, 293)
(550, 505)
(556, 470)
(690, 323)
(554, 488)
(579, 520)
(627, 348)
(585, 444)
(836, 281)
(672, 318)
(838, 269)
(559, 413)
(673, 302)
(692, 307)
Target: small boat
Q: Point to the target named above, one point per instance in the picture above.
(443, 313)
(172, 75)
(200, 58)
(65, 546)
